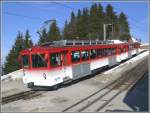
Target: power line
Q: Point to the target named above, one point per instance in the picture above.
(24, 16)
(66, 6)
(41, 9)
(29, 17)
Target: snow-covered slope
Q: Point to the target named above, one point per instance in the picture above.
(13, 75)
(135, 59)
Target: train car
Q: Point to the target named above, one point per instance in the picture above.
(57, 62)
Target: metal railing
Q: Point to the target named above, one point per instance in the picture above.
(76, 42)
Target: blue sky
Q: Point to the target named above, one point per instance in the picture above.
(19, 16)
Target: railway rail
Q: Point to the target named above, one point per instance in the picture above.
(98, 100)
(23, 95)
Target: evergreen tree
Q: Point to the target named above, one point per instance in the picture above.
(43, 36)
(72, 30)
(28, 42)
(53, 33)
(84, 24)
(96, 21)
(100, 22)
(111, 18)
(88, 24)
(124, 32)
(72, 17)
(65, 31)
(79, 25)
(11, 63)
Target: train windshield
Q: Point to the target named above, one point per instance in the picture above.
(25, 61)
(38, 61)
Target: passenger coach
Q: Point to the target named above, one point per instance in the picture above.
(53, 63)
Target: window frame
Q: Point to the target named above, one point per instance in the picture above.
(44, 67)
(23, 61)
(50, 54)
(91, 52)
(79, 60)
(81, 57)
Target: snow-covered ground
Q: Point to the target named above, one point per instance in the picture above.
(133, 60)
(12, 76)
(144, 44)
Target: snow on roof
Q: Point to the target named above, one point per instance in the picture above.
(133, 39)
(117, 41)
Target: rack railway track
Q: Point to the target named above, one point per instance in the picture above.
(98, 100)
(23, 95)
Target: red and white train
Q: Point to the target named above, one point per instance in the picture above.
(55, 63)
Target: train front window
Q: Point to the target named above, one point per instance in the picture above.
(25, 61)
(55, 59)
(38, 61)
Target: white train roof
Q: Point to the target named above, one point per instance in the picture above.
(117, 41)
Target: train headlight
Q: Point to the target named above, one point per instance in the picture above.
(44, 75)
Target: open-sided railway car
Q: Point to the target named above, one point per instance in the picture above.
(52, 64)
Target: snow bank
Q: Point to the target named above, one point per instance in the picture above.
(12, 76)
(144, 44)
(138, 57)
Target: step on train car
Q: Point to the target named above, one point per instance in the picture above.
(56, 62)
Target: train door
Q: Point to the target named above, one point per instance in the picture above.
(119, 53)
(65, 68)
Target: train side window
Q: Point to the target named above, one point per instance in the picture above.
(120, 50)
(75, 56)
(99, 52)
(109, 51)
(113, 51)
(106, 51)
(92, 53)
(25, 61)
(130, 47)
(85, 55)
(102, 52)
(55, 59)
(124, 49)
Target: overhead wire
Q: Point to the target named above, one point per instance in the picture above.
(25, 16)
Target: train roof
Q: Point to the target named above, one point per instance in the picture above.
(75, 44)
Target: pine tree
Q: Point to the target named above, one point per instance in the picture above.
(43, 36)
(124, 32)
(28, 42)
(111, 18)
(79, 25)
(65, 31)
(88, 24)
(11, 63)
(72, 30)
(95, 21)
(84, 24)
(53, 33)
(72, 17)
(100, 21)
